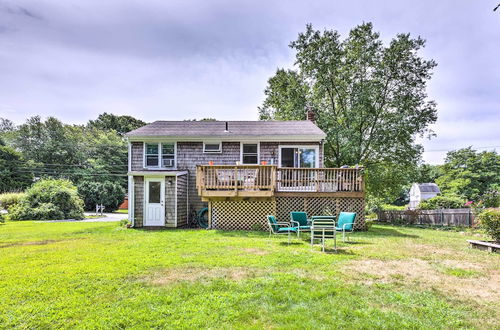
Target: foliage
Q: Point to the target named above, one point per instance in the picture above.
(120, 124)
(491, 198)
(9, 199)
(427, 173)
(489, 220)
(442, 202)
(389, 207)
(469, 173)
(110, 194)
(369, 99)
(75, 152)
(12, 177)
(125, 273)
(49, 200)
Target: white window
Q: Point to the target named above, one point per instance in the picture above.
(168, 155)
(212, 147)
(160, 155)
(151, 154)
(249, 153)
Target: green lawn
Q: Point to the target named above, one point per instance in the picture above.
(100, 275)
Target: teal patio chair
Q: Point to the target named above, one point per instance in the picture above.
(280, 228)
(300, 220)
(345, 223)
(323, 228)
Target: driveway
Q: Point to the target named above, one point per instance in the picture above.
(107, 217)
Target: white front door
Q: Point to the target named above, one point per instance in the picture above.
(154, 201)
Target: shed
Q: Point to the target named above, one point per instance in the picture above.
(422, 191)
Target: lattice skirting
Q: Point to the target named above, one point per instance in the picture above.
(321, 206)
(251, 215)
(241, 215)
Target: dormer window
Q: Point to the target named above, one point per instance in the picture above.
(159, 155)
(212, 147)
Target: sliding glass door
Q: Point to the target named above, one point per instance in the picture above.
(297, 157)
(302, 157)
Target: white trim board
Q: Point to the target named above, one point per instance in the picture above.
(232, 138)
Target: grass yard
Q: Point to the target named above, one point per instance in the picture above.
(100, 275)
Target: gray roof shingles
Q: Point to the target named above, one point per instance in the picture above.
(428, 187)
(235, 128)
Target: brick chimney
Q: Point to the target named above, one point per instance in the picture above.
(311, 115)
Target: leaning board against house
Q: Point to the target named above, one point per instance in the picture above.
(241, 170)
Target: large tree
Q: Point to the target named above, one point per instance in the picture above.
(121, 124)
(12, 175)
(369, 98)
(469, 173)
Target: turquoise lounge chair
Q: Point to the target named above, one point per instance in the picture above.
(300, 220)
(345, 223)
(280, 228)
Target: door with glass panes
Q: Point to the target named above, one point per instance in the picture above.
(154, 201)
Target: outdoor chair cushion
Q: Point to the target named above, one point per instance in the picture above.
(272, 220)
(300, 217)
(287, 229)
(346, 218)
(305, 227)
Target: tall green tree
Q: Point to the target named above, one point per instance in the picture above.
(469, 174)
(121, 124)
(370, 100)
(13, 177)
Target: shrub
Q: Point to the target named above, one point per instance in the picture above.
(110, 194)
(489, 220)
(442, 202)
(49, 200)
(389, 207)
(9, 199)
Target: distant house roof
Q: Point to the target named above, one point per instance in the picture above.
(428, 187)
(304, 130)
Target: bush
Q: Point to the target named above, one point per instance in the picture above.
(9, 199)
(389, 207)
(442, 202)
(49, 200)
(110, 194)
(489, 220)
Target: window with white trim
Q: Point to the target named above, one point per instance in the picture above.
(152, 154)
(212, 147)
(250, 153)
(168, 155)
(161, 155)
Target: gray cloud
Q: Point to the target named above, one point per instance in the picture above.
(192, 59)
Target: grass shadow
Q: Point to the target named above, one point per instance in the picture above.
(291, 243)
(388, 232)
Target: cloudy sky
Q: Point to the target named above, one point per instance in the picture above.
(175, 60)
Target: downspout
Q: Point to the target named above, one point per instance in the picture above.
(131, 197)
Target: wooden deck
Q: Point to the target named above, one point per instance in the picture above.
(257, 181)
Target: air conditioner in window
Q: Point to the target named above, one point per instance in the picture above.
(168, 163)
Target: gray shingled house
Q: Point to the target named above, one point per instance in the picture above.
(240, 170)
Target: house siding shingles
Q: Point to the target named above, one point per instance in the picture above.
(137, 159)
(138, 201)
(182, 199)
(190, 154)
(170, 201)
